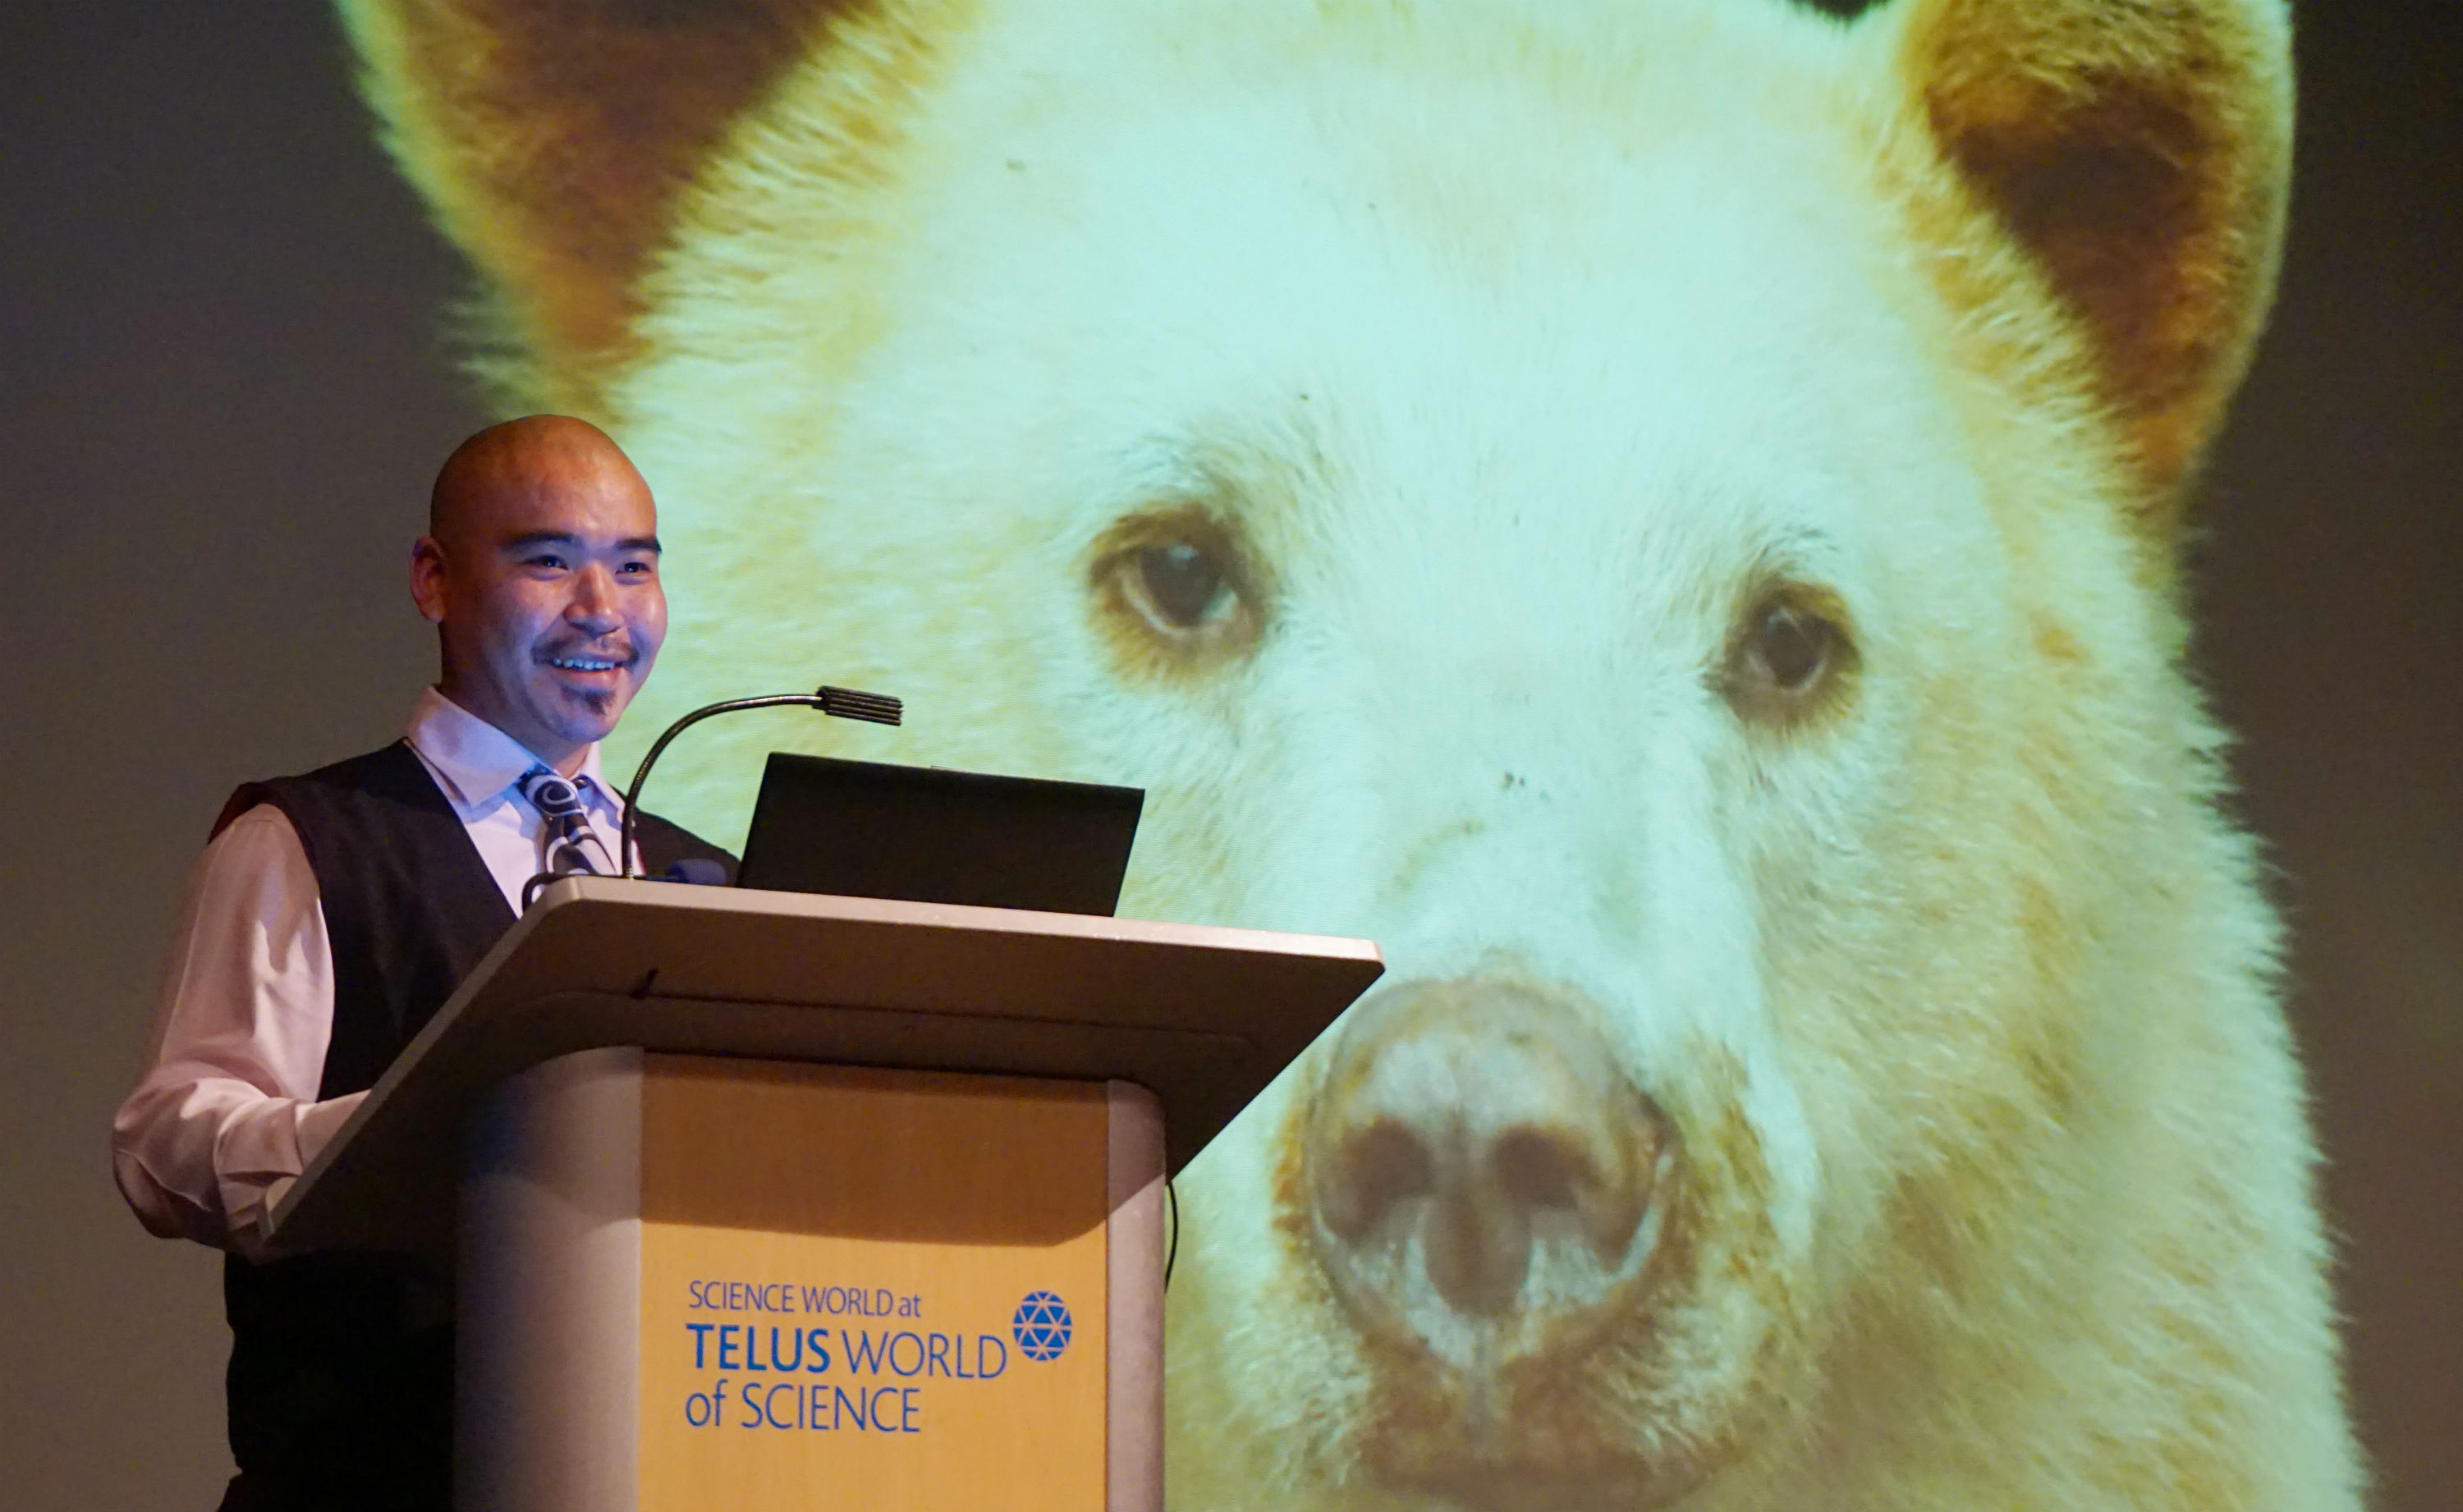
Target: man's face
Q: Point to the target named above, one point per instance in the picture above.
(544, 585)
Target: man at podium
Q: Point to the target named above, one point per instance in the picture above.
(331, 914)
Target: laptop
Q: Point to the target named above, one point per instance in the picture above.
(925, 835)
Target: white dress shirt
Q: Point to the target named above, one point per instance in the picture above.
(227, 1116)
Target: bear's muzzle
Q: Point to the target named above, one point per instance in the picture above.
(1483, 1169)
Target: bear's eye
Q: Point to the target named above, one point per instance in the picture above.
(1789, 655)
(1174, 589)
(1183, 584)
(1791, 647)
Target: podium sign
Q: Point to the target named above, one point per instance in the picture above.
(694, 1282)
(917, 1319)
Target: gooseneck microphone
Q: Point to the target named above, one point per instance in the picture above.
(846, 704)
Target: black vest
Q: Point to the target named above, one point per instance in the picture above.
(341, 1370)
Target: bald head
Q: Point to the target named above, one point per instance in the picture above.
(516, 460)
(540, 570)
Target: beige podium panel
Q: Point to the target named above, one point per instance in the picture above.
(696, 1283)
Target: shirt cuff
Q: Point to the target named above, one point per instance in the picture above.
(266, 1161)
(321, 1122)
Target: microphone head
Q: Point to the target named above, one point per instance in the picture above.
(851, 704)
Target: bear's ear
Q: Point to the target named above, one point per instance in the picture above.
(2139, 151)
(550, 138)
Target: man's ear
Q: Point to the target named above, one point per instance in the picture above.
(2140, 152)
(427, 578)
(551, 136)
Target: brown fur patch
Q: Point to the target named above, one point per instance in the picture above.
(2055, 642)
(552, 138)
(2141, 153)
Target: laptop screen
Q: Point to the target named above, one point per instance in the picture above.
(925, 835)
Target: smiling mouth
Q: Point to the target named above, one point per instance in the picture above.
(586, 668)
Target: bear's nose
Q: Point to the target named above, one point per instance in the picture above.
(1477, 1144)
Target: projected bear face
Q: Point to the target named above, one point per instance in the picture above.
(1660, 513)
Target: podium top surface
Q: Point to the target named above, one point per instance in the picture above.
(1202, 1016)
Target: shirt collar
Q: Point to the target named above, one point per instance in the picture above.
(477, 762)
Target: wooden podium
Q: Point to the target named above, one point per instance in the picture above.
(767, 1201)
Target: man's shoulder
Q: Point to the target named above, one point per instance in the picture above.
(391, 774)
(387, 763)
(663, 843)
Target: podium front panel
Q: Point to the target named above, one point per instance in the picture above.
(696, 1282)
(868, 1288)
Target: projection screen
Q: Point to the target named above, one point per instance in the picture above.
(1667, 514)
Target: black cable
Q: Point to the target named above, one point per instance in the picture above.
(1171, 1252)
(539, 882)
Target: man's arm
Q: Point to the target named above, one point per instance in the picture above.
(226, 1116)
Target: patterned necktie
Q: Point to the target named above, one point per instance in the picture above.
(565, 837)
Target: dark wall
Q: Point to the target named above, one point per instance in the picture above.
(222, 392)
(221, 396)
(2331, 630)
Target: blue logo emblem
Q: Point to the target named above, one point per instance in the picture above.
(1041, 1326)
